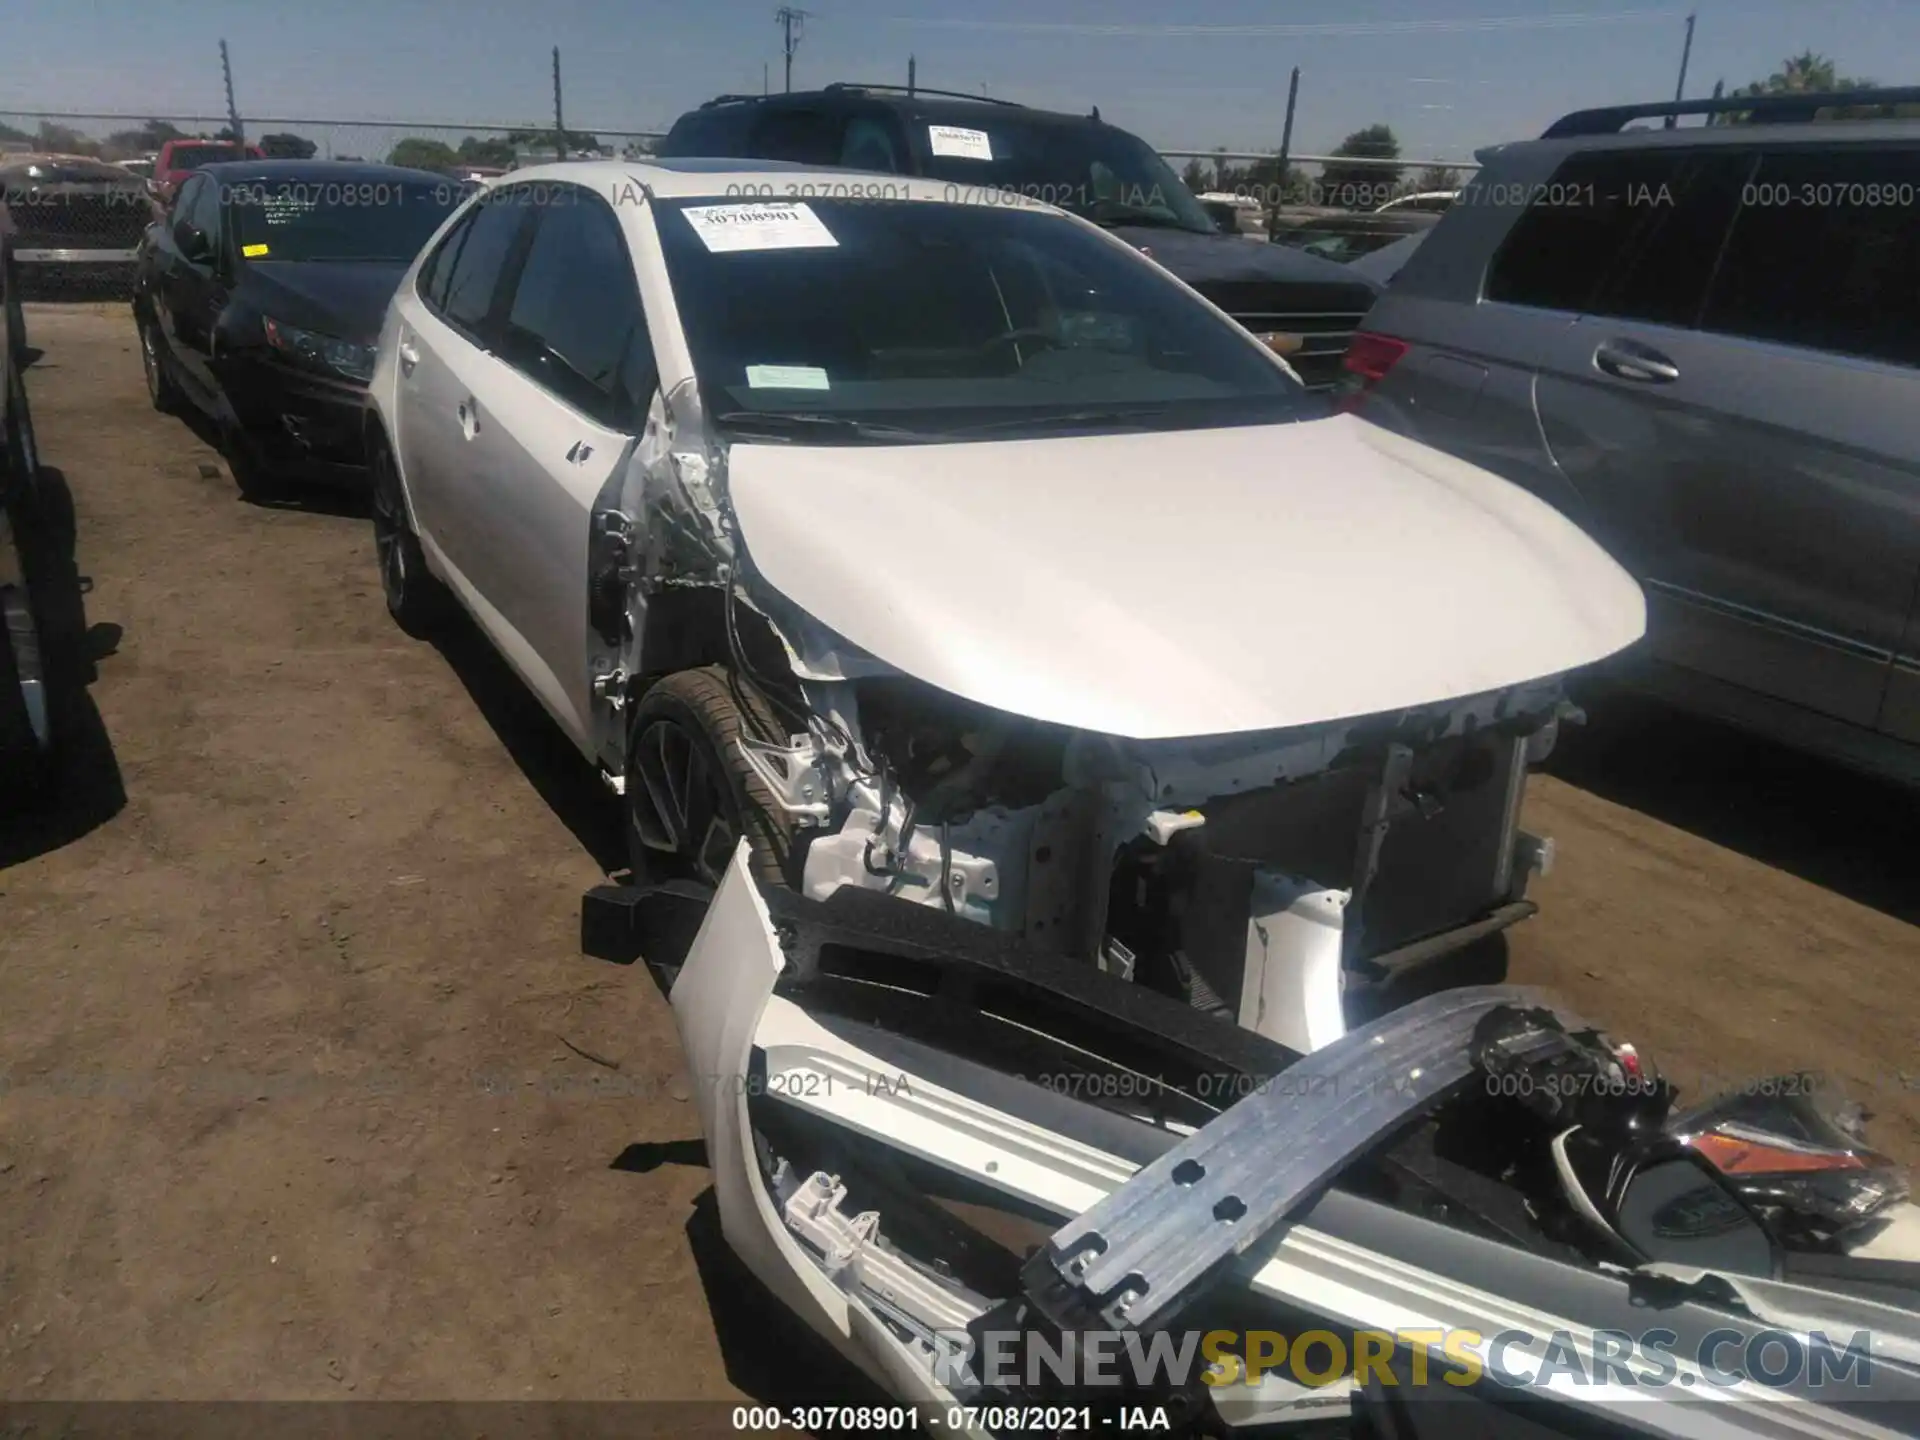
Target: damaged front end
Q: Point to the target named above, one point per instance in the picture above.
(1028, 1198)
(1277, 878)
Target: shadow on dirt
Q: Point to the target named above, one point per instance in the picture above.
(1835, 828)
(555, 769)
(85, 789)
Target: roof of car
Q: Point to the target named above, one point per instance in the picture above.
(319, 172)
(949, 104)
(750, 180)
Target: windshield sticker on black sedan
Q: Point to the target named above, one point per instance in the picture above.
(777, 226)
(960, 143)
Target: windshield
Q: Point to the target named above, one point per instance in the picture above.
(838, 320)
(1094, 170)
(339, 220)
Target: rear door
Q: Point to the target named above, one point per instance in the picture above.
(1736, 410)
(573, 392)
(1474, 329)
(445, 345)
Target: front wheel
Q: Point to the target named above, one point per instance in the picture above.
(691, 797)
(417, 600)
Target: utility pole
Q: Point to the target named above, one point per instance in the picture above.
(766, 85)
(793, 22)
(233, 111)
(559, 121)
(1286, 151)
(1680, 90)
(912, 67)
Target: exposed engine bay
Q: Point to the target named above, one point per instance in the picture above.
(1254, 877)
(963, 1207)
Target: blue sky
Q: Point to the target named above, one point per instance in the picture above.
(1448, 75)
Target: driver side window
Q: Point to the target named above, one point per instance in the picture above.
(575, 326)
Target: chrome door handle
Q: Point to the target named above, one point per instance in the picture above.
(409, 357)
(1626, 360)
(469, 419)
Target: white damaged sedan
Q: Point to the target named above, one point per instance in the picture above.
(942, 545)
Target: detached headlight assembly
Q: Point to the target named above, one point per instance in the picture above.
(316, 351)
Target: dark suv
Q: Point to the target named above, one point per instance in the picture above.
(1078, 162)
(1703, 344)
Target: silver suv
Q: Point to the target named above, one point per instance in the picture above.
(1700, 343)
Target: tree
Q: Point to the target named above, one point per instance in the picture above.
(420, 154)
(286, 146)
(577, 140)
(64, 140)
(8, 132)
(1809, 73)
(1195, 177)
(144, 141)
(1436, 177)
(1363, 187)
(494, 152)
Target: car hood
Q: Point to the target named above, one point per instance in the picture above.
(346, 299)
(1228, 259)
(1187, 583)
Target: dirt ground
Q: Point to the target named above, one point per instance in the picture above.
(290, 990)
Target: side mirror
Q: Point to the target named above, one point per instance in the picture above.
(194, 244)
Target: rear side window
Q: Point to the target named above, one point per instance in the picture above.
(869, 144)
(1584, 230)
(805, 137)
(474, 276)
(1826, 255)
(575, 326)
(431, 283)
(719, 134)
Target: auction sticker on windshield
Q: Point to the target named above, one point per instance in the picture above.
(960, 143)
(762, 226)
(787, 377)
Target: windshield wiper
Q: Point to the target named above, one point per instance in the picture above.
(784, 424)
(1069, 419)
(1111, 212)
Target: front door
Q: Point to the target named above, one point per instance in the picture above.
(577, 372)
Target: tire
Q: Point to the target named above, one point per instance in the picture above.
(162, 389)
(417, 600)
(690, 795)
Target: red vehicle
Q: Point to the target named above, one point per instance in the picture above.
(179, 158)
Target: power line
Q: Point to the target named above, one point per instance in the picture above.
(792, 23)
(1359, 28)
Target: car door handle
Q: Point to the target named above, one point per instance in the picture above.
(409, 357)
(1626, 360)
(579, 452)
(469, 419)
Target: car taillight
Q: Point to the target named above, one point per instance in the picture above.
(1368, 359)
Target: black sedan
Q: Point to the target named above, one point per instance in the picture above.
(259, 299)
